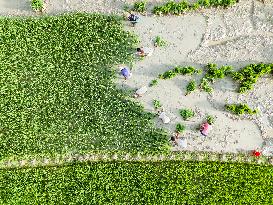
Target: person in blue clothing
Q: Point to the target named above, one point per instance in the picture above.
(134, 19)
(125, 72)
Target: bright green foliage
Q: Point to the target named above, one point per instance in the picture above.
(153, 82)
(177, 8)
(240, 109)
(157, 104)
(191, 87)
(186, 113)
(167, 182)
(140, 6)
(179, 70)
(213, 72)
(249, 75)
(37, 5)
(205, 85)
(180, 128)
(159, 42)
(57, 90)
(210, 119)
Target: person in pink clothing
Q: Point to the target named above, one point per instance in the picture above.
(205, 128)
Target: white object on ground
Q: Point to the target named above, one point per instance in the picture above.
(164, 118)
(141, 91)
(182, 142)
(148, 51)
(267, 151)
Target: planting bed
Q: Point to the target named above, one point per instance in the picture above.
(168, 182)
(57, 90)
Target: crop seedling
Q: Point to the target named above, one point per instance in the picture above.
(191, 87)
(157, 104)
(159, 42)
(205, 85)
(180, 128)
(210, 119)
(153, 82)
(37, 5)
(240, 109)
(140, 6)
(186, 113)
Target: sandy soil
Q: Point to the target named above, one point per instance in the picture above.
(237, 36)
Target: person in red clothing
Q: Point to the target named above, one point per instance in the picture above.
(256, 153)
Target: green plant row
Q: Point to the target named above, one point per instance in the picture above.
(57, 93)
(240, 109)
(247, 76)
(167, 182)
(140, 6)
(179, 70)
(176, 8)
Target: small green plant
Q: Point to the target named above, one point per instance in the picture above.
(249, 75)
(140, 6)
(153, 82)
(213, 72)
(205, 85)
(191, 87)
(240, 109)
(180, 128)
(179, 70)
(186, 113)
(159, 42)
(157, 104)
(37, 5)
(210, 119)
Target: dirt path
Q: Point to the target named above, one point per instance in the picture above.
(237, 36)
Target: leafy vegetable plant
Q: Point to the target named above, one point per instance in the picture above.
(240, 109)
(186, 113)
(180, 128)
(159, 42)
(157, 104)
(140, 6)
(154, 82)
(37, 5)
(179, 70)
(191, 87)
(210, 119)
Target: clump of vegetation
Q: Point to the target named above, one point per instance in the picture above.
(191, 87)
(37, 5)
(180, 128)
(179, 70)
(178, 8)
(249, 75)
(159, 42)
(206, 86)
(240, 109)
(210, 119)
(213, 72)
(186, 113)
(140, 6)
(153, 83)
(157, 104)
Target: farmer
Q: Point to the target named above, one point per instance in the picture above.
(181, 142)
(140, 92)
(256, 153)
(145, 51)
(205, 128)
(134, 19)
(125, 72)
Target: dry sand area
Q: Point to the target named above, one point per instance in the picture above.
(236, 36)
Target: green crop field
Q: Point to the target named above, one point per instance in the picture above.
(168, 182)
(57, 89)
